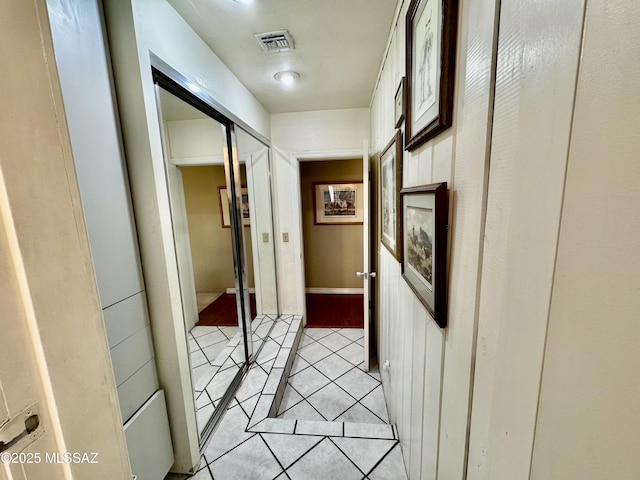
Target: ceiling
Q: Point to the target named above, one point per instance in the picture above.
(338, 47)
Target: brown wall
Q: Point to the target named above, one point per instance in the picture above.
(332, 253)
(210, 243)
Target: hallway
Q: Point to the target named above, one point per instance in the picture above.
(357, 442)
(510, 353)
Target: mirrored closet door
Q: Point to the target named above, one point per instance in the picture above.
(218, 178)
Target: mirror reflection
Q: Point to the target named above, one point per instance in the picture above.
(201, 205)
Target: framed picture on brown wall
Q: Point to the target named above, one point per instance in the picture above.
(430, 66)
(338, 203)
(390, 185)
(225, 219)
(425, 214)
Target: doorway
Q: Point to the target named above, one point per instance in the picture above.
(332, 232)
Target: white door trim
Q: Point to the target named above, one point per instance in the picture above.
(296, 158)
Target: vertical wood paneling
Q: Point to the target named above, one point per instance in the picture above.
(468, 187)
(428, 390)
(407, 378)
(419, 347)
(590, 389)
(431, 423)
(537, 62)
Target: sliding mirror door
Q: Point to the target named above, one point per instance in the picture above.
(255, 168)
(219, 184)
(194, 146)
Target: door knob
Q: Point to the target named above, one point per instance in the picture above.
(366, 275)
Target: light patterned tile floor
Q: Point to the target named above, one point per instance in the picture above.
(329, 383)
(216, 358)
(344, 451)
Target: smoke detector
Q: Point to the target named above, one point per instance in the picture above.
(275, 42)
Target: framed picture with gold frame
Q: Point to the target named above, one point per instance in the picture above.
(338, 203)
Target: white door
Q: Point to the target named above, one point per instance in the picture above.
(366, 273)
(21, 393)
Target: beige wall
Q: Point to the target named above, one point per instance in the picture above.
(210, 242)
(332, 253)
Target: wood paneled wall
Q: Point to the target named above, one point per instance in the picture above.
(428, 385)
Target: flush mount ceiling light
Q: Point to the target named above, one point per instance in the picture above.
(287, 77)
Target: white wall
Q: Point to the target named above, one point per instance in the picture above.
(536, 74)
(428, 386)
(137, 29)
(538, 365)
(587, 426)
(50, 279)
(299, 134)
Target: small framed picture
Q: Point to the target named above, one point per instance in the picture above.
(399, 103)
(390, 184)
(224, 207)
(424, 242)
(430, 56)
(338, 203)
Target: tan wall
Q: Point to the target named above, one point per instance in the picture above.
(332, 253)
(210, 242)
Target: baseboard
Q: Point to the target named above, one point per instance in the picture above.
(232, 291)
(335, 291)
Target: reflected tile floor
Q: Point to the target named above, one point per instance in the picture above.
(327, 381)
(216, 357)
(236, 452)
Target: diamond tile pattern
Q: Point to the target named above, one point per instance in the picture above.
(216, 358)
(327, 373)
(321, 386)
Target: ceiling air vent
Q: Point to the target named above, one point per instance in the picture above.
(274, 42)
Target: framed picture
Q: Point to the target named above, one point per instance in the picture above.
(390, 184)
(431, 52)
(224, 207)
(424, 243)
(399, 103)
(338, 203)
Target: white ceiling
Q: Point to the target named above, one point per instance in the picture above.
(338, 47)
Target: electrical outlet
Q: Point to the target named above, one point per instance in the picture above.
(285, 237)
(265, 237)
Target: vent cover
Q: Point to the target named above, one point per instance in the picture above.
(274, 42)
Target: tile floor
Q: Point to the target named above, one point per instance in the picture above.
(216, 358)
(327, 381)
(250, 444)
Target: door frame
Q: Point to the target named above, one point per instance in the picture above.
(321, 155)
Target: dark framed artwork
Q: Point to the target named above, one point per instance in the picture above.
(424, 241)
(338, 203)
(390, 185)
(430, 55)
(399, 103)
(225, 219)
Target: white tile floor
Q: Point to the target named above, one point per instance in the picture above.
(327, 381)
(246, 445)
(216, 358)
